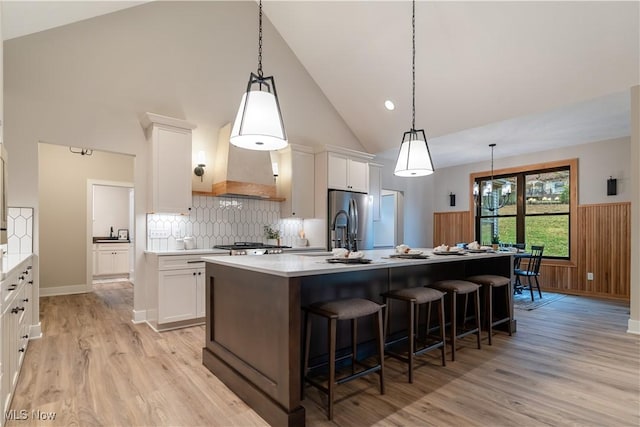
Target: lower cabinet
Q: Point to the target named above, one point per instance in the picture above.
(180, 295)
(15, 326)
(110, 259)
(178, 300)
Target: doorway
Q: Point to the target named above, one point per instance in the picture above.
(65, 217)
(388, 231)
(110, 207)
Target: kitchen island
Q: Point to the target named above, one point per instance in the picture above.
(254, 314)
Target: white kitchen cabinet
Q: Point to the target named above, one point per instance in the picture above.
(178, 295)
(178, 300)
(349, 174)
(110, 259)
(375, 188)
(15, 325)
(170, 165)
(295, 181)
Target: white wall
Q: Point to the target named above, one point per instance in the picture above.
(634, 318)
(110, 209)
(596, 162)
(426, 195)
(87, 83)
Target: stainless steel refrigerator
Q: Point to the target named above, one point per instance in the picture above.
(354, 209)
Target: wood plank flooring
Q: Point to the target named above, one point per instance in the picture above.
(570, 363)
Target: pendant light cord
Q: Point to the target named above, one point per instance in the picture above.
(413, 67)
(260, 40)
(492, 146)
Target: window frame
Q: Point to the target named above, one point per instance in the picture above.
(521, 171)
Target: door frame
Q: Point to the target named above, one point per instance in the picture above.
(89, 222)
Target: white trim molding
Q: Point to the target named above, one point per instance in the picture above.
(634, 327)
(64, 290)
(139, 316)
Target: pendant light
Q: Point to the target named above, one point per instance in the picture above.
(258, 124)
(414, 158)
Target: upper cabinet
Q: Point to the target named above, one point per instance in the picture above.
(295, 181)
(170, 163)
(347, 172)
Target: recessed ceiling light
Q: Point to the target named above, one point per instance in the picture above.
(389, 105)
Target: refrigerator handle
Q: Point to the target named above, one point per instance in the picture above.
(353, 216)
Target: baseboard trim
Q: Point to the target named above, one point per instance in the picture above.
(64, 290)
(633, 327)
(139, 316)
(35, 331)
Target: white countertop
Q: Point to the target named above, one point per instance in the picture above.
(11, 261)
(294, 265)
(190, 252)
(215, 251)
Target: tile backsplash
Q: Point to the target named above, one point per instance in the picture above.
(20, 230)
(221, 221)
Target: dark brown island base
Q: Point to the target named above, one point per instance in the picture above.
(254, 317)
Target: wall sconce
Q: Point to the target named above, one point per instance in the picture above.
(452, 199)
(612, 186)
(274, 168)
(199, 170)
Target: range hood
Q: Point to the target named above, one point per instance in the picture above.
(239, 172)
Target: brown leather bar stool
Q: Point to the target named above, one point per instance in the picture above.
(415, 297)
(345, 309)
(489, 282)
(454, 288)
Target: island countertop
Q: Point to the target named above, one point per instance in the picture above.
(297, 265)
(254, 314)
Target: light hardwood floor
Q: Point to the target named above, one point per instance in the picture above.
(570, 363)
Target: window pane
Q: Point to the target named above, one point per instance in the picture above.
(505, 227)
(500, 191)
(550, 231)
(547, 192)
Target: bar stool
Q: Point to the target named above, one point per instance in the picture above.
(454, 288)
(345, 309)
(489, 282)
(414, 297)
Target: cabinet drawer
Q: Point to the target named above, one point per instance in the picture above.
(111, 246)
(170, 262)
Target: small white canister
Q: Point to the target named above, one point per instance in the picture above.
(179, 244)
(189, 242)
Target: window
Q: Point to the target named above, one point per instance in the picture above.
(531, 206)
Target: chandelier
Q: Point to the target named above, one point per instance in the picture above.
(493, 196)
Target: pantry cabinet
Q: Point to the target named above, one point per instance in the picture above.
(15, 325)
(295, 181)
(170, 165)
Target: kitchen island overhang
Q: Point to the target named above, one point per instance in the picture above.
(254, 314)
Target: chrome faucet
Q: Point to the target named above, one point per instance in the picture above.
(344, 243)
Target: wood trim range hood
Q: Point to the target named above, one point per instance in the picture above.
(239, 172)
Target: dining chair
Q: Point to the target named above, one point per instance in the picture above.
(529, 267)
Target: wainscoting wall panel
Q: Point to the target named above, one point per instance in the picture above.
(603, 248)
(450, 228)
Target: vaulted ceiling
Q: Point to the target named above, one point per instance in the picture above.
(526, 75)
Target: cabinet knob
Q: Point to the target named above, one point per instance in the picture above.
(25, 272)
(30, 282)
(13, 287)
(21, 350)
(21, 278)
(29, 267)
(25, 300)
(194, 273)
(24, 337)
(199, 273)
(20, 309)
